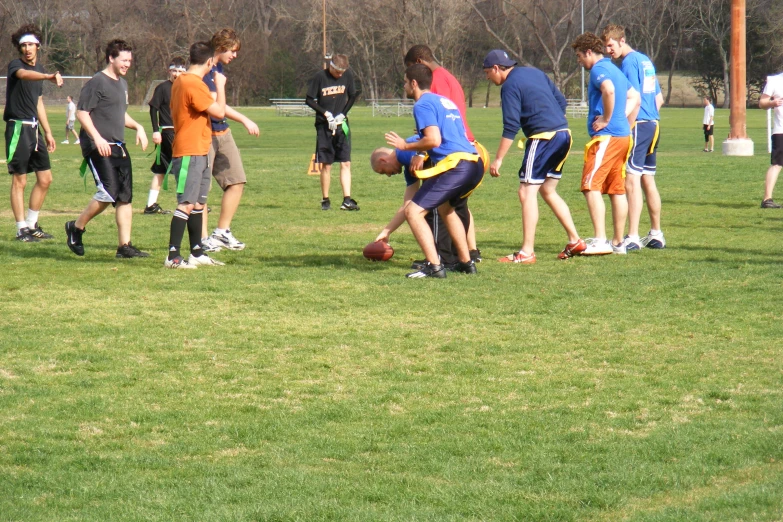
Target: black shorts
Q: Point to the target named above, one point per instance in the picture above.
(331, 149)
(113, 175)
(777, 150)
(708, 131)
(163, 152)
(29, 152)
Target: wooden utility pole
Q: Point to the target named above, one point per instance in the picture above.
(738, 143)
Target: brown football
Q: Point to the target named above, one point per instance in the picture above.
(378, 251)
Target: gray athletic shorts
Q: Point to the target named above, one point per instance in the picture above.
(192, 175)
(226, 162)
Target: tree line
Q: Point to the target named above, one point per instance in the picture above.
(282, 39)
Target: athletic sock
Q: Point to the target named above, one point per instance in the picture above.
(655, 232)
(20, 225)
(153, 197)
(179, 223)
(219, 231)
(633, 237)
(194, 231)
(32, 217)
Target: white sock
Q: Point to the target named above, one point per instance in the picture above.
(153, 197)
(655, 232)
(220, 231)
(634, 237)
(32, 217)
(20, 225)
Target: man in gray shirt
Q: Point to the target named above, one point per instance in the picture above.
(102, 113)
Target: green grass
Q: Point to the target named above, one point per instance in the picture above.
(301, 382)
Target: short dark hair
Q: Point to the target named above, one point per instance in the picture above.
(419, 52)
(26, 29)
(200, 52)
(115, 47)
(588, 42)
(177, 62)
(421, 73)
(225, 40)
(341, 61)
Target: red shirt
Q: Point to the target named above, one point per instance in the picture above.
(445, 84)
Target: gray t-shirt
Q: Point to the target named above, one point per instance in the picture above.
(107, 101)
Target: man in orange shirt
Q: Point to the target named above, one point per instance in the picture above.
(191, 106)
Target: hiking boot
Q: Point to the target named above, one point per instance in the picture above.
(573, 249)
(429, 270)
(129, 251)
(74, 238)
(25, 236)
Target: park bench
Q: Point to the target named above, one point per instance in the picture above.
(391, 107)
(291, 107)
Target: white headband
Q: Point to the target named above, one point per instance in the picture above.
(177, 68)
(29, 38)
(338, 69)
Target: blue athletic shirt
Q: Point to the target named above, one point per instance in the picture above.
(604, 70)
(640, 72)
(217, 125)
(531, 101)
(405, 157)
(437, 111)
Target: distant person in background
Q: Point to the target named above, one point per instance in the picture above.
(772, 98)
(446, 84)
(70, 120)
(162, 134)
(642, 164)
(26, 150)
(709, 126)
(331, 94)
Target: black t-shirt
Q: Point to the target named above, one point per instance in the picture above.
(332, 94)
(21, 96)
(161, 101)
(106, 100)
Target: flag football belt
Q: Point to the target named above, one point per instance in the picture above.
(18, 132)
(84, 165)
(655, 136)
(447, 163)
(606, 137)
(548, 136)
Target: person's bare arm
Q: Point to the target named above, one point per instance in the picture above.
(141, 136)
(43, 121)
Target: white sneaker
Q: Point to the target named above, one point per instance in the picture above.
(204, 260)
(597, 247)
(632, 244)
(77, 142)
(209, 244)
(654, 240)
(227, 240)
(178, 262)
(66, 142)
(619, 249)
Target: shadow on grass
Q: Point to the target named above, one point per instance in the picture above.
(336, 261)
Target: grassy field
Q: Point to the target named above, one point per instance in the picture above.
(302, 382)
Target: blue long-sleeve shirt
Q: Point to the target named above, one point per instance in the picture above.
(531, 101)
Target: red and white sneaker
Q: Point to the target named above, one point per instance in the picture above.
(573, 249)
(519, 257)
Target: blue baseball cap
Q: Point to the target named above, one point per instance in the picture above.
(498, 57)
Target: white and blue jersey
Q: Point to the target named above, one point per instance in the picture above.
(432, 110)
(618, 126)
(640, 72)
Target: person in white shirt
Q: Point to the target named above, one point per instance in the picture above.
(70, 119)
(709, 125)
(772, 98)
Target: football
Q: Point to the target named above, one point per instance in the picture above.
(378, 251)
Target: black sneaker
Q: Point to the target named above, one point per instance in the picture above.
(155, 209)
(38, 232)
(349, 204)
(419, 263)
(325, 204)
(768, 203)
(128, 251)
(475, 255)
(25, 235)
(465, 268)
(74, 238)
(429, 270)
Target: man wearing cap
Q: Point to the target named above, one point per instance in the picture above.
(613, 104)
(331, 95)
(456, 173)
(531, 101)
(26, 150)
(162, 134)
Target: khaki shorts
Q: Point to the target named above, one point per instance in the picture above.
(226, 162)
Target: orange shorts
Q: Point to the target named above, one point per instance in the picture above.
(605, 159)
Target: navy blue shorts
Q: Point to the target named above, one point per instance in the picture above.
(642, 160)
(545, 158)
(451, 186)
